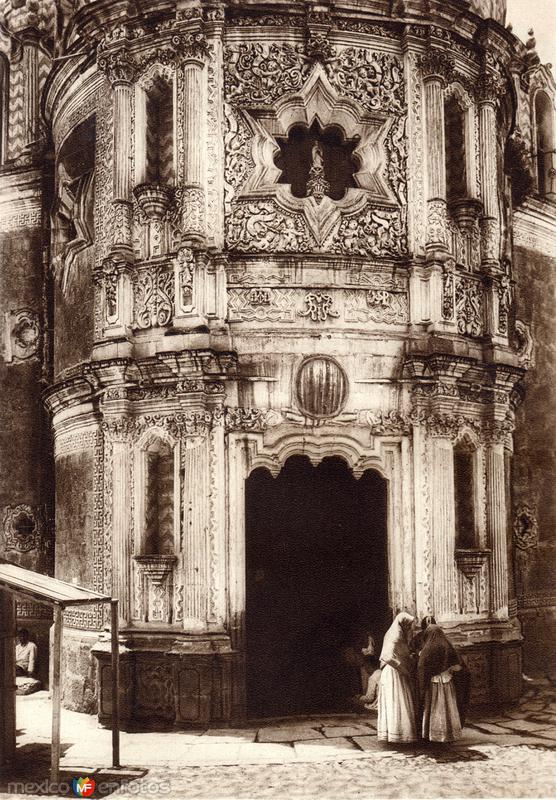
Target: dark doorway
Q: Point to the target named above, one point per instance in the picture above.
(317, 583)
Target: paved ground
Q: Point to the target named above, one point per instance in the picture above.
(511, 753)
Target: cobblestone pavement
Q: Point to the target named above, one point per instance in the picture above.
(505, 753)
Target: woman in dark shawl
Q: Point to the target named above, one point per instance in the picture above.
(443, 682)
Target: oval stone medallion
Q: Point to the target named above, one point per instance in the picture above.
(321, 386)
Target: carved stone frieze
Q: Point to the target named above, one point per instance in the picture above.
(374, 80)
(257, 74)
(318, 307)
(266, 227)
(250, 419)
(377, 305)
(374, 232)
(263, 305)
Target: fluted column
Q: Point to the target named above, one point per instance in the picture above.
(487, 93)
(436, 70)
(443, 528)
(31, 92)
(196, 539)
(120, 69)
(497, 521)
(121, 527)
(193, 136)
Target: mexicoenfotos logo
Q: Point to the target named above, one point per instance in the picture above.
(83, 787)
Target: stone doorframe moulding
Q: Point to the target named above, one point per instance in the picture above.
(389, 456)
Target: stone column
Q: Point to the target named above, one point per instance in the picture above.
(497, 522)
(436, 70)
(487, 93)
(193, 135)
(443, 529)
(196, 539)
(120, 70)
(31, 91)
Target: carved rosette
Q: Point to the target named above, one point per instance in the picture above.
(23, 335)
(23, 528)
(526, 528)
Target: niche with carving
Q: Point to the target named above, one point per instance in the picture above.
(73, 226)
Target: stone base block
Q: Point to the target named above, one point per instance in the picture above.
(496, 672)
(165, 683)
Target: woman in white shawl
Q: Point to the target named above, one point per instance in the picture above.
(397, 718)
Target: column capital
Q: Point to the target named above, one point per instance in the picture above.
(119, 67)
(436, 65)
(489, 88)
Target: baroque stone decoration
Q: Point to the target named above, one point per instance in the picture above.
(255, 259)
(526, 531)
(358, 91)
(23, 528)
(23, 335)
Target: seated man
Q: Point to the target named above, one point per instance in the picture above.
(25, 655)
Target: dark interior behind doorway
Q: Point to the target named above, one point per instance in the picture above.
(317, 580)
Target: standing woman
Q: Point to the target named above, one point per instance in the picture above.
(443, 687)
(396, 701)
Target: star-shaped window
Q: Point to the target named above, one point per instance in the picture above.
(316, 161)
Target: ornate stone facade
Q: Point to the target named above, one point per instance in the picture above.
(208, 309)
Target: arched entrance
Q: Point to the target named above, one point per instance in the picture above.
(317, 581)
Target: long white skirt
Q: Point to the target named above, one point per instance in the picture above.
(441, 722)
(396, 708)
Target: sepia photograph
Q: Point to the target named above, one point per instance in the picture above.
(278, 399)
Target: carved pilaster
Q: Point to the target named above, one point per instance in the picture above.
(443, 529)
(121, 546)
(497, 521)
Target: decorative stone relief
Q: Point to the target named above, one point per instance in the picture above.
(259, 74)
(448, 291)
(318, 307)
(153, 296)
(377, 305)
(364, 220)
(23, 528)
(469, 306)
(321, 387)
(376, 232)
(504, 289)
(23, 335)
(526, 529)
(524, 344)
(264, 226)
(263, 305)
